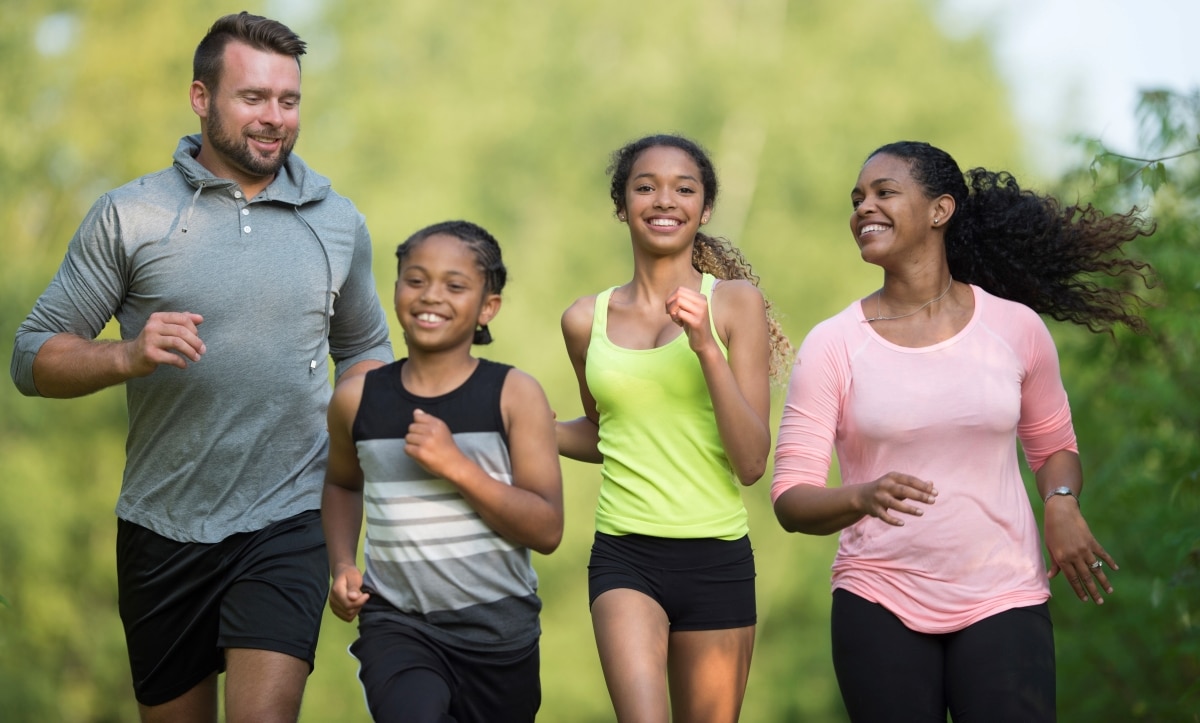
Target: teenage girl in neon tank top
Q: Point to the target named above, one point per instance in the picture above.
(673, 370)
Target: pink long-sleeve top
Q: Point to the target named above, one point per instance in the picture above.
(950, 414)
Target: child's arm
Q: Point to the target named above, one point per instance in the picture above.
(528, 512)
(739, 387)
(579, 438)
(341, 501)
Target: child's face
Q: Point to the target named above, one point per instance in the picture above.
(441, 296)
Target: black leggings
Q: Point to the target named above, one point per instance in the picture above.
(998, 669)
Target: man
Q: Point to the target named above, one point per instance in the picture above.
(233, 275)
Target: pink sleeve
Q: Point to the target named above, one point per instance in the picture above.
(811, 411)
(1045, 426)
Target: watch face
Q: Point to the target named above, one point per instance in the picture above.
(1060, 491)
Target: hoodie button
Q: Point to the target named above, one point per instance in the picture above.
(245, 212)
(246, 229)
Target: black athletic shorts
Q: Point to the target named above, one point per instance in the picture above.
(184, 603)
(701, 584)
(408, 676)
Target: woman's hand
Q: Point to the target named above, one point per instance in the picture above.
(1074, 550)
(895, 492)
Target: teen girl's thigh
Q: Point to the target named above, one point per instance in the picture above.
(701, 603)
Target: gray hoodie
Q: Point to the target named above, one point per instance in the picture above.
(237, 440)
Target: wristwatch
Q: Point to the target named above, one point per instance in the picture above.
(1064, 490)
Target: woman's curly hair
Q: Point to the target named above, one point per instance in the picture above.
(1029, 247)
(710, 254)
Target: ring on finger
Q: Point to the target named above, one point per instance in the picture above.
(1096, 565)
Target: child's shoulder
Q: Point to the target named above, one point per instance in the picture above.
(347, 394)
(353, 383)
(519, 385)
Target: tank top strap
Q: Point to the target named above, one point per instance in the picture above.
(600, 313)
(708, 282)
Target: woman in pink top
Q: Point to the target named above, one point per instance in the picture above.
(923, 387)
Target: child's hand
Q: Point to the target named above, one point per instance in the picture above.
(430, 443)
(346, 596)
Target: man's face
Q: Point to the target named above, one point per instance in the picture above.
(251, 120)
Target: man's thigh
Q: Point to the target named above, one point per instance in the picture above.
(182, 604)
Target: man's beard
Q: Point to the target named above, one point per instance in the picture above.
(236, 148)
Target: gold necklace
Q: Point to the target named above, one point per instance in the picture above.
(879, 296)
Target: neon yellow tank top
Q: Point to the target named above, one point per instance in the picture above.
(665, 472)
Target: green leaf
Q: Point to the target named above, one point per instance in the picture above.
(1154, 176)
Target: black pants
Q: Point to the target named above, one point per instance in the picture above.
(998, 669)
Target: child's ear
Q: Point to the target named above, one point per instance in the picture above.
(489, 309)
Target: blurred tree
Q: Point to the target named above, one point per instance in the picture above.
(1134, 399)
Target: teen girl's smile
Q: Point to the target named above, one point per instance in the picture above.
(664, 196)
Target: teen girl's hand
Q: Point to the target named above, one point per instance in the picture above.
(346, 596)
(689, 309)
(430, 443)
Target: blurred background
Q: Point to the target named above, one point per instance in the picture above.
(505, 114)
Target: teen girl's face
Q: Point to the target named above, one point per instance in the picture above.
(664, 200)
(441, 295)
(892, 217)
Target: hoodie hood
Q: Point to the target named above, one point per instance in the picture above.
(295, 183)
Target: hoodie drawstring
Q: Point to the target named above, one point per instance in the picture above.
(191, 208)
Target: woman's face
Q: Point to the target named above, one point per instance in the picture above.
(892, 218)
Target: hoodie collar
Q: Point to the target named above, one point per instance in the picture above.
(294, 184)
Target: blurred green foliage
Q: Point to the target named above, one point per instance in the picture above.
(505, 114)
(1134, 399)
